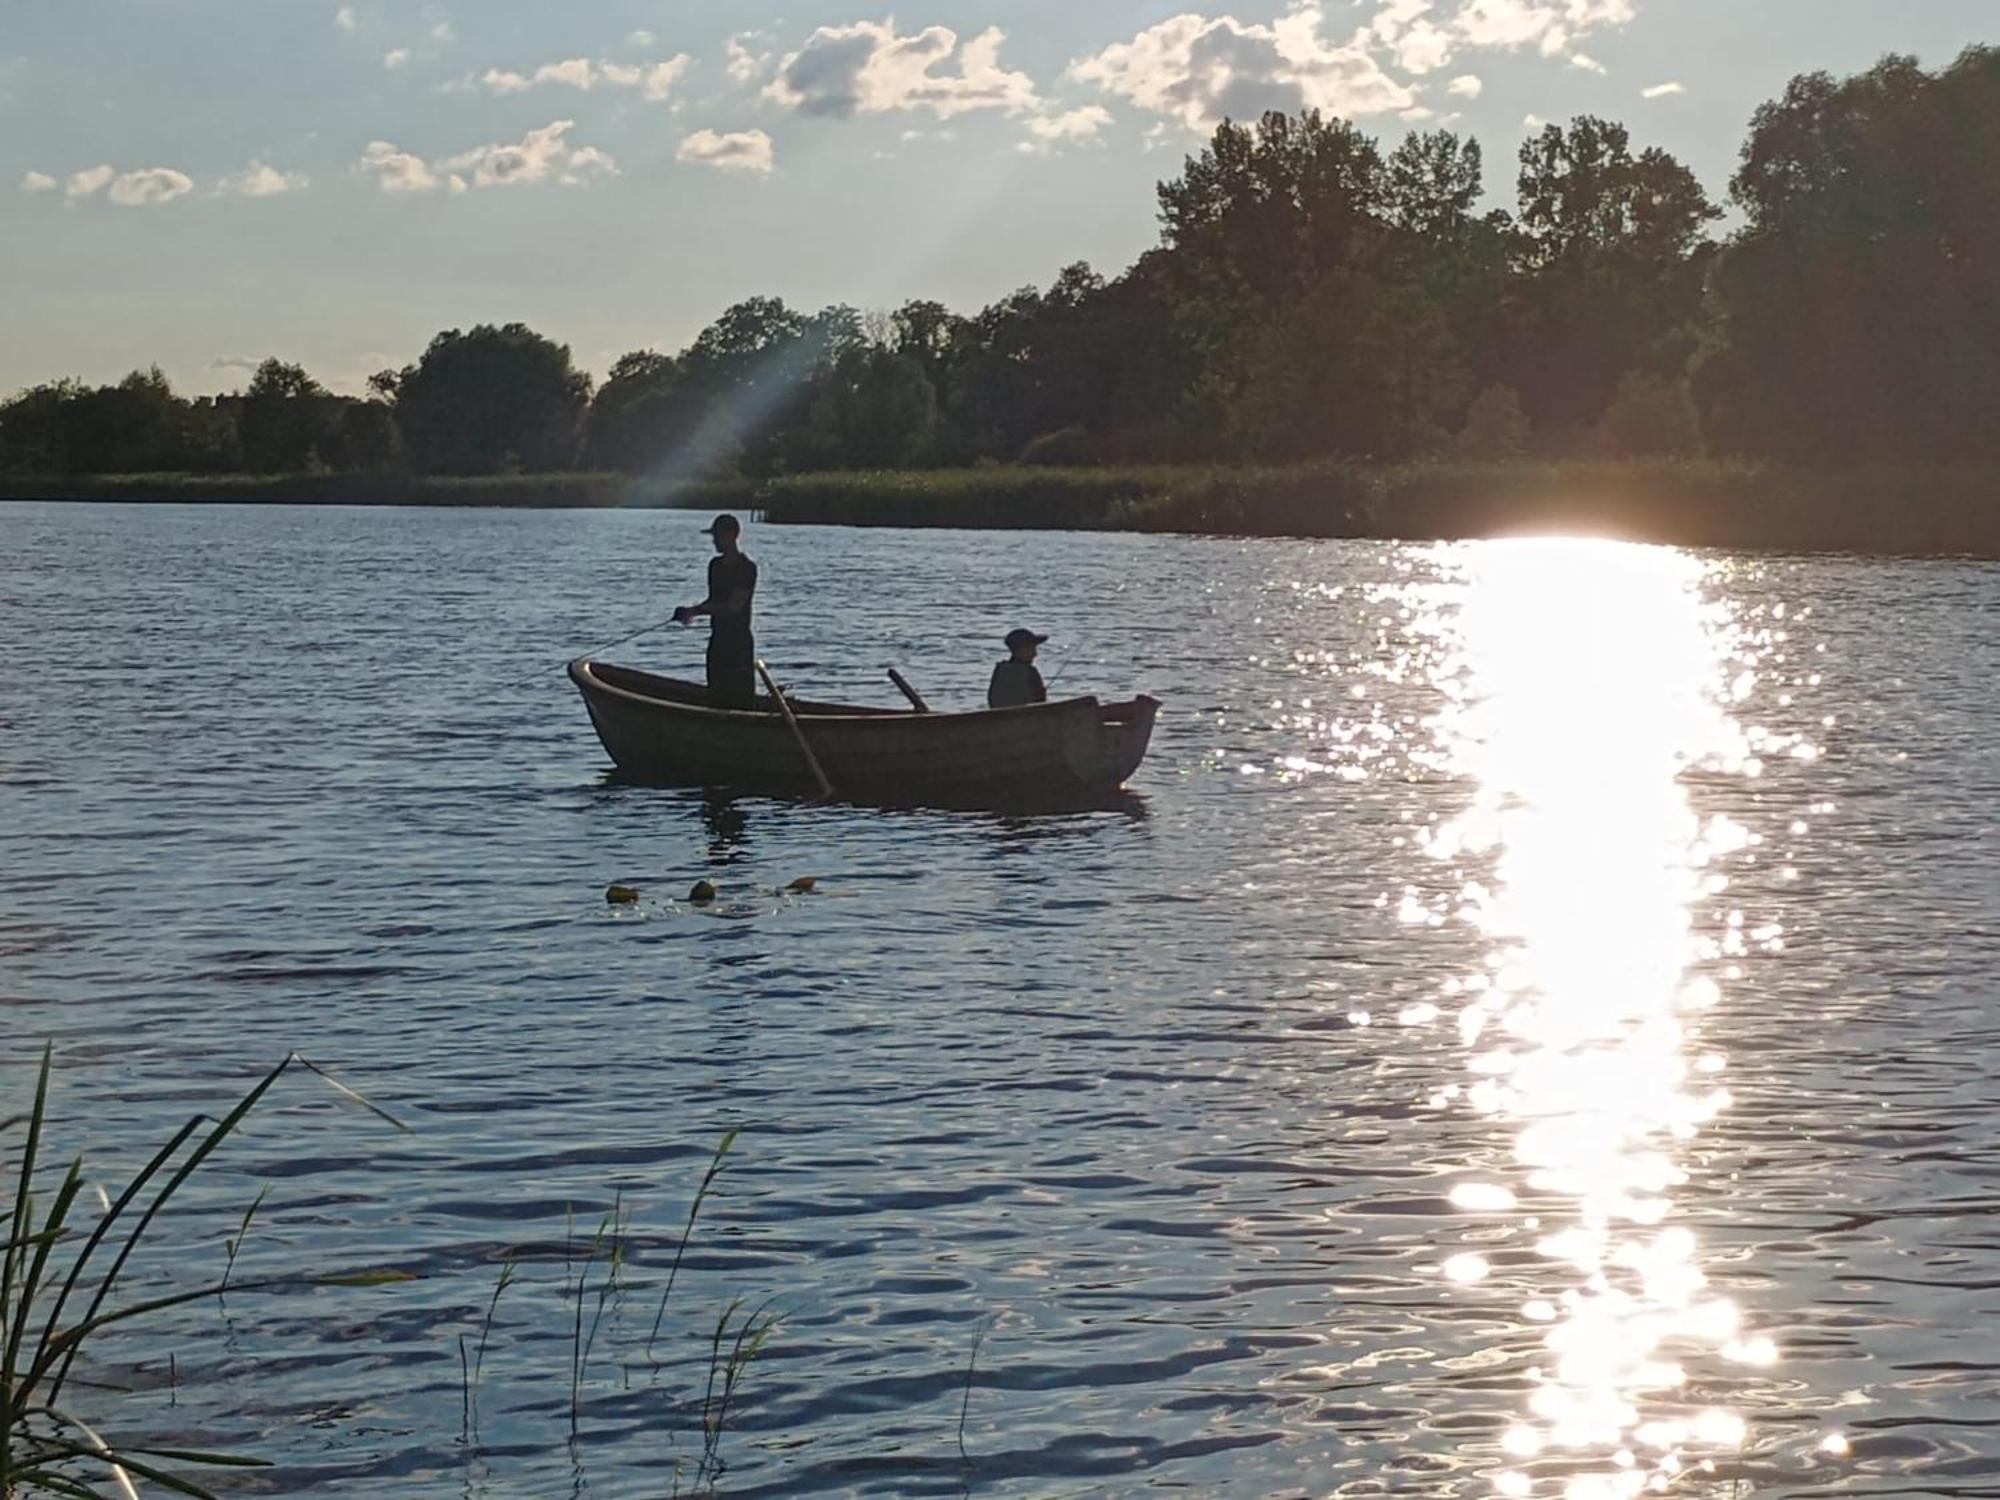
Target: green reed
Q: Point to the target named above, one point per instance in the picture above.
(56, 1287)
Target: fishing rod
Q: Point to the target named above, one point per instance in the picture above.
(1069, 652)
(672, 619)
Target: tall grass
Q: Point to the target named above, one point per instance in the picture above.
(50, 1311)
(546, 491)
(1899, 510)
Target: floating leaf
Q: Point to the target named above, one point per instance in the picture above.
(383, 1277)
(621, 895)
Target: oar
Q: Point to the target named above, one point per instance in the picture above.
(916, 699)
(785, 708)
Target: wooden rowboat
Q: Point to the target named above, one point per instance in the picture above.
(660, 728)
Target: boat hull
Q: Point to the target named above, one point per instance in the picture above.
(663, 729)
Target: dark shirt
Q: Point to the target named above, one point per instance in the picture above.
(1015, 683)
(728, 572)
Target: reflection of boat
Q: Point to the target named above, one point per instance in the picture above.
(1046, 753)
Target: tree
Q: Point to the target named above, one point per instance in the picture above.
(285, 420)
(1610, 260)
(1495, 426)
(1650, 417)
(874, 409)
(491, 400)
(1860, 306)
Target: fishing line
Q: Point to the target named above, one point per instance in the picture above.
(599, 650)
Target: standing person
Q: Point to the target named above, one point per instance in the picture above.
(732, 650)
(1015, 680)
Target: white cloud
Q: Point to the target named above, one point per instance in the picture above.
(655, 80)
(866, 68)
(1200, 70)
(83, 184)
(1465, 86)
(538, 156)
(442, 32)
(573, 72)
(641, 40)
(1548, 25)
(1663, 91)
(746, 65)
(738, 151)
(397, 170)
(37, 182)
(148, 186)
(1417, 113)
(260, 180)
(1075, 125)
(1417, 43)
(1583, 62)
(1533, 122)
(344, 18)
(395, 58)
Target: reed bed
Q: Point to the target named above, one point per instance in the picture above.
(63, 1272)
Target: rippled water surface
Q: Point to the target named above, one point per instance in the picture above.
(1532, 1032)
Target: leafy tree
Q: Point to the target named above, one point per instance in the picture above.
(491, 400)
(1860, 305)
(1650, 417)
(285, 420)
(1611, 254)
(638, 414)
(1495, 426)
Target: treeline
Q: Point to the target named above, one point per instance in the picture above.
(1312, 296)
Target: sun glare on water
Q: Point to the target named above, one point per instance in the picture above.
(1590, 675)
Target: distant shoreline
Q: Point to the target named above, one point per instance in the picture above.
(1892, 510)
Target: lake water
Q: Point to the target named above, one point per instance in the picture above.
(1533, 1032)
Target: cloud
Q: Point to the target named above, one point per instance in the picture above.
(539, 156)
(442, 32)
(739, 151)
(1533, 122)
(259, 180)
(1200, 70)
(1417, 43)
(655, 80)
(397, 170)
(235, 362)
(344, 18)
(1465, 86)
(642, 40)
(1585, 63)
(1663, 91)
(1075, 125)
(37, 182)
(148, 186)
(1547, 25)
(745, 65)
(395, 58)
(574, 72)
(83, 184)
(866, 68)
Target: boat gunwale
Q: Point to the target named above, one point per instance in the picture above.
(582, 674)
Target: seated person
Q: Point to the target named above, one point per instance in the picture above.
(1015, 680)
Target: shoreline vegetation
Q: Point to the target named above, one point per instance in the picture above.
(1334, 336)
(1886, 509)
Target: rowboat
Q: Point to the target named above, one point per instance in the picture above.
(664, 729)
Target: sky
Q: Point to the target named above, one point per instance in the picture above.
(199, 184)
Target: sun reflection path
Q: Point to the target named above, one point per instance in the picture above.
(1592, 674)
